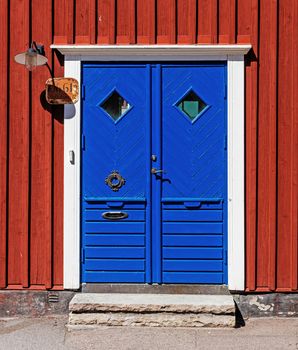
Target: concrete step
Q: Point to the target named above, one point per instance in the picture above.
(155, 310)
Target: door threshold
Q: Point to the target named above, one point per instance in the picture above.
(221, 289)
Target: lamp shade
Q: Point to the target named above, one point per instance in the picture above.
(30, 59)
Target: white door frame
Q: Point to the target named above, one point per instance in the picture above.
(234, 56)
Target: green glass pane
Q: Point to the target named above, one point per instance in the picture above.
(192, 105)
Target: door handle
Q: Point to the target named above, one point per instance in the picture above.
(114, 215)
(157, 171)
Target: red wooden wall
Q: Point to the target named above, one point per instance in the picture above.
(31, 133)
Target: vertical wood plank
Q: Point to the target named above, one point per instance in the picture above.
(70, 20)
(3, 140)
(18, 255)
(246, 22)
(295, 151)
(145, 18)
(125, 19)
(207, 21)
(248, 17)
(186, 29)
(60, 22)
(166, 22)
(57, 183)
(41, 156)
(251, 173)
(214, 21)
(63, 21)
(227, 21)
(267, 152)
(132, 22)
(106, 30)
(287, 152)
(153, 19)
(82, 22)
(92, 21)
(204, 13)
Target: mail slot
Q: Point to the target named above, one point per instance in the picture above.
(114, 215)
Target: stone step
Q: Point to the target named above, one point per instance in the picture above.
(155, 310)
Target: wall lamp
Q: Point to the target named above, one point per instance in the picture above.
(33, 57)
(58, 90)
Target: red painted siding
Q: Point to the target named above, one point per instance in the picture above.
(31, 133)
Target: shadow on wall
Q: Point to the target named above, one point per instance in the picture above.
(57, 111)
(250, 58)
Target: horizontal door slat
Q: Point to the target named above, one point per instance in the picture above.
(202, 206)
(192, 277)
(115, 252)
(192, 215)
(114, 206)
(114, 227)
(192, 241)
(190, 228)
(192, 253)
(96, 215)
(113, 199)
(111, 239)
(115, 265)
(110, 276)
(192, 265)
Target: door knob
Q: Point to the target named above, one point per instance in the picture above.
(157, 171)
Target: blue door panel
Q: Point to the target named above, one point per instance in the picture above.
(193, 153)
(194, 158)
(115, 140)
(112, 146)
(173, 223)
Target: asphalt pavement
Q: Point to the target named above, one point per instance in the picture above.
(50, 333)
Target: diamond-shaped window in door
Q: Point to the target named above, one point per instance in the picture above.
(115, 105)
(191, 105)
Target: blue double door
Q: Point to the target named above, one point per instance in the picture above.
(154, 175)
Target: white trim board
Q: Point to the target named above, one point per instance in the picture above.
(171, 52)
(234, 55)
